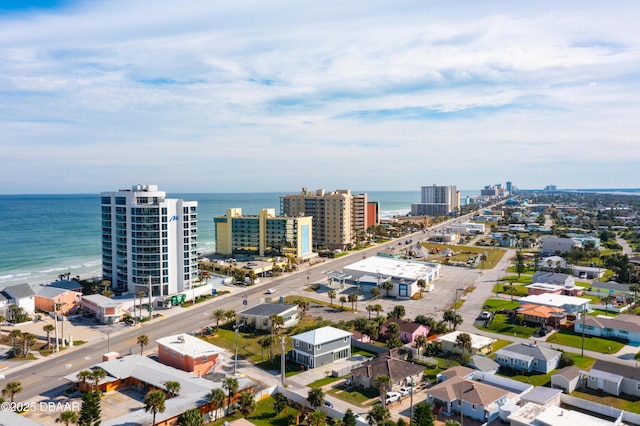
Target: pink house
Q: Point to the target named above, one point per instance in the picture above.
(188, 353)
(408, 329)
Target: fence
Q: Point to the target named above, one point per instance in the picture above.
(619, 415)
(368, 347)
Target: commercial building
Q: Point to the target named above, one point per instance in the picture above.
(264, 235)
(338, 217)
(437, 201)
(188, 353)
(149, 240)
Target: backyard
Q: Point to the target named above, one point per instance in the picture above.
(568, 337)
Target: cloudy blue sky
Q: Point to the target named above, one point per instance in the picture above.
(252, 96)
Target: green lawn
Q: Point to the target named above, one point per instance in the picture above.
(622, 402)
(263, 415)
(539, 379)
(501, 324)
(498, 304)
(523, 279)
(592, 343)
(354, 395)
(493, 255)
(324, 381)
(518, 290)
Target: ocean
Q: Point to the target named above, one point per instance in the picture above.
(45, 236)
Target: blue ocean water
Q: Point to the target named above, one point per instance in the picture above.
(43, 236)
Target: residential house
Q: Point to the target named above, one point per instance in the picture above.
(571, 305)
(456, 371)
(21, 295)
(400, 373)
(66, 301)
(104, 309)
(144, 374)
(624, 326)
(479, 344)
(477, 400)
(543, 315)
(321, 346)
(613, 378)
(360, 337)
(528, 357)
(531, 414)
(557, 245)
(484, 364)
(611, 288)
(542, 396)
(567, 379)
(565, 281)
(70, 285)
(258, 317)
(408, 330)
(188, 353)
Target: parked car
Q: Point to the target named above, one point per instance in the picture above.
(271, 291)
(328, 404)
(485, 315)
(405, 391)
(392, 397)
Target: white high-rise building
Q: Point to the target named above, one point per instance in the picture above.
(148, 238)
(437, 201)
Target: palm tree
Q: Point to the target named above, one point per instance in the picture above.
(231, 385)
(48, 329)
(420, 342)
(370, 308)
(315, 397)
(230, 315)
(11, 389)
(378, 309)
(607, 300)
(463, 341)
(343, 299)
(217, 315)
(15, 334)
(97, 375)
(303, 306)
(216, 396)
(352, 298)
(246, 403)
(382, 383)
(332, 295)
(378, 415)
(143, 340)
(154, 402)
(2, 320)
(84, 375)
(172, 387)
(422, 283)
(68, 417)
(635, 288)
(375, 292)
(28, 340)
(387, 286)
(317, 417)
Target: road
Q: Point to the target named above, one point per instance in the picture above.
(43, 379)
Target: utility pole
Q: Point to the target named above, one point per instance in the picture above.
(149, 308)
(411, 402)
(584, 314)
(235, 358)
(55, 322)
(282, 361)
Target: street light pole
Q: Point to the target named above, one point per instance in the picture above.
(282, 361)
(235, 358)
(411, 402)
(455, 305)
(55, 322)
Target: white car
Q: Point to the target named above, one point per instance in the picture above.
(405, 391)
(271, 291)
(392, 397)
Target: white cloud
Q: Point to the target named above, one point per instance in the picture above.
(277, 95)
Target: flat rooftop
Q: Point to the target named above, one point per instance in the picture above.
(393, 267)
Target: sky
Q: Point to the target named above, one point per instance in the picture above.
(267, 96)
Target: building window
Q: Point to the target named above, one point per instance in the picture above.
(318, 347)
(173, 354)
(309, 346)
(297, 343)
(204, 358)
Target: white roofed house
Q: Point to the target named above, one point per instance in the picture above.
(321, 346)
(571, 305)
(21, 295)
(104, 309)
(528, 357)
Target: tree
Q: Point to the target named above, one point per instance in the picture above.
(317, 417)
(635, 288)
(343, 299)
(15, 334)
(97, 375)
(352, 298)
(191, 417)
(230, 315)
(423, 415)
(280, 403)
(452, 318)
(11, 389)
(28, 339)
(378, 415)
(48, 329)
(332, 295)
(422, 283)
(519, 263)
(420, 342)
(315, 397)
(370, 308)
(231, 385)
(303, 306)
(463, 341)
(246, 403)
(349, 418)
(143, 340)
(218, 315)
(378, 308)
(172, 387)
(397, 312)
(429, 322)
(382, 383)
(387, 286)
(451, 423)
(68, 417)
(375, 292)
(216, 396)
(607, 300)
(154, 402)
(84, 375)
(392, 335)
(90, 411)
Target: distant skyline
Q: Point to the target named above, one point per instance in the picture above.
(254, 96)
